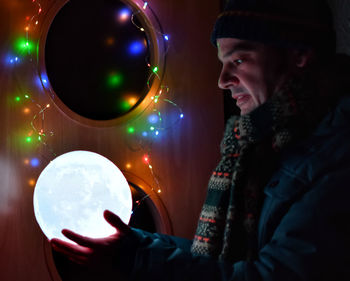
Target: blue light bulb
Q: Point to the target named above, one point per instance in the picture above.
(136, 48)
(153, 118)
(124, 15)
(34, 162)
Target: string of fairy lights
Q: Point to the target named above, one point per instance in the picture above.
(152, 118)
(156, 116)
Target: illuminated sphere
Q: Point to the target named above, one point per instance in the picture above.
(73, 191)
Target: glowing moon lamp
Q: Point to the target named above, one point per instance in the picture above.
(73, 191)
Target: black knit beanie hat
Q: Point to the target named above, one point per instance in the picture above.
(285, 23)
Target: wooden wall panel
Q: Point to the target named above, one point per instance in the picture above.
(182, 159)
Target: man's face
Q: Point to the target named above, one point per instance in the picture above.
(251, 71)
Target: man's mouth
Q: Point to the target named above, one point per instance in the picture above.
(241, 99)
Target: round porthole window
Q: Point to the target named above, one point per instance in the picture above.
(99, 57)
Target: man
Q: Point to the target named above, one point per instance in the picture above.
(277, 205)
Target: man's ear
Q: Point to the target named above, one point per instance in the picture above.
(302, 57)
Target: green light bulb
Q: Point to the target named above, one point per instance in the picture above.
(131, 130)
(155, 69)
(17, 99)
(28, 139)
(114, 80)
(124, 105)
(22, 45)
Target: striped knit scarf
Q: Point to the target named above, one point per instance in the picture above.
(227, 225)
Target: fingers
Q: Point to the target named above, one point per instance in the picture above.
(116, 222)
(72, 252)
(79, 239)
(69, 249)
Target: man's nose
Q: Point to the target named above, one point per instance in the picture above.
(227, 79)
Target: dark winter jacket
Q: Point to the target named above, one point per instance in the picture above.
(304, 227)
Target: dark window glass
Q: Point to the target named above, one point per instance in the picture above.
(96, 58)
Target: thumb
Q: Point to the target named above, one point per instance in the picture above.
(116, 222)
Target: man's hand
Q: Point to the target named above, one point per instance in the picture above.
(99, 253)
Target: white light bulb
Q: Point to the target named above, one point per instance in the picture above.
(73, 191)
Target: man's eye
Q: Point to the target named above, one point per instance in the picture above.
(238, 61)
